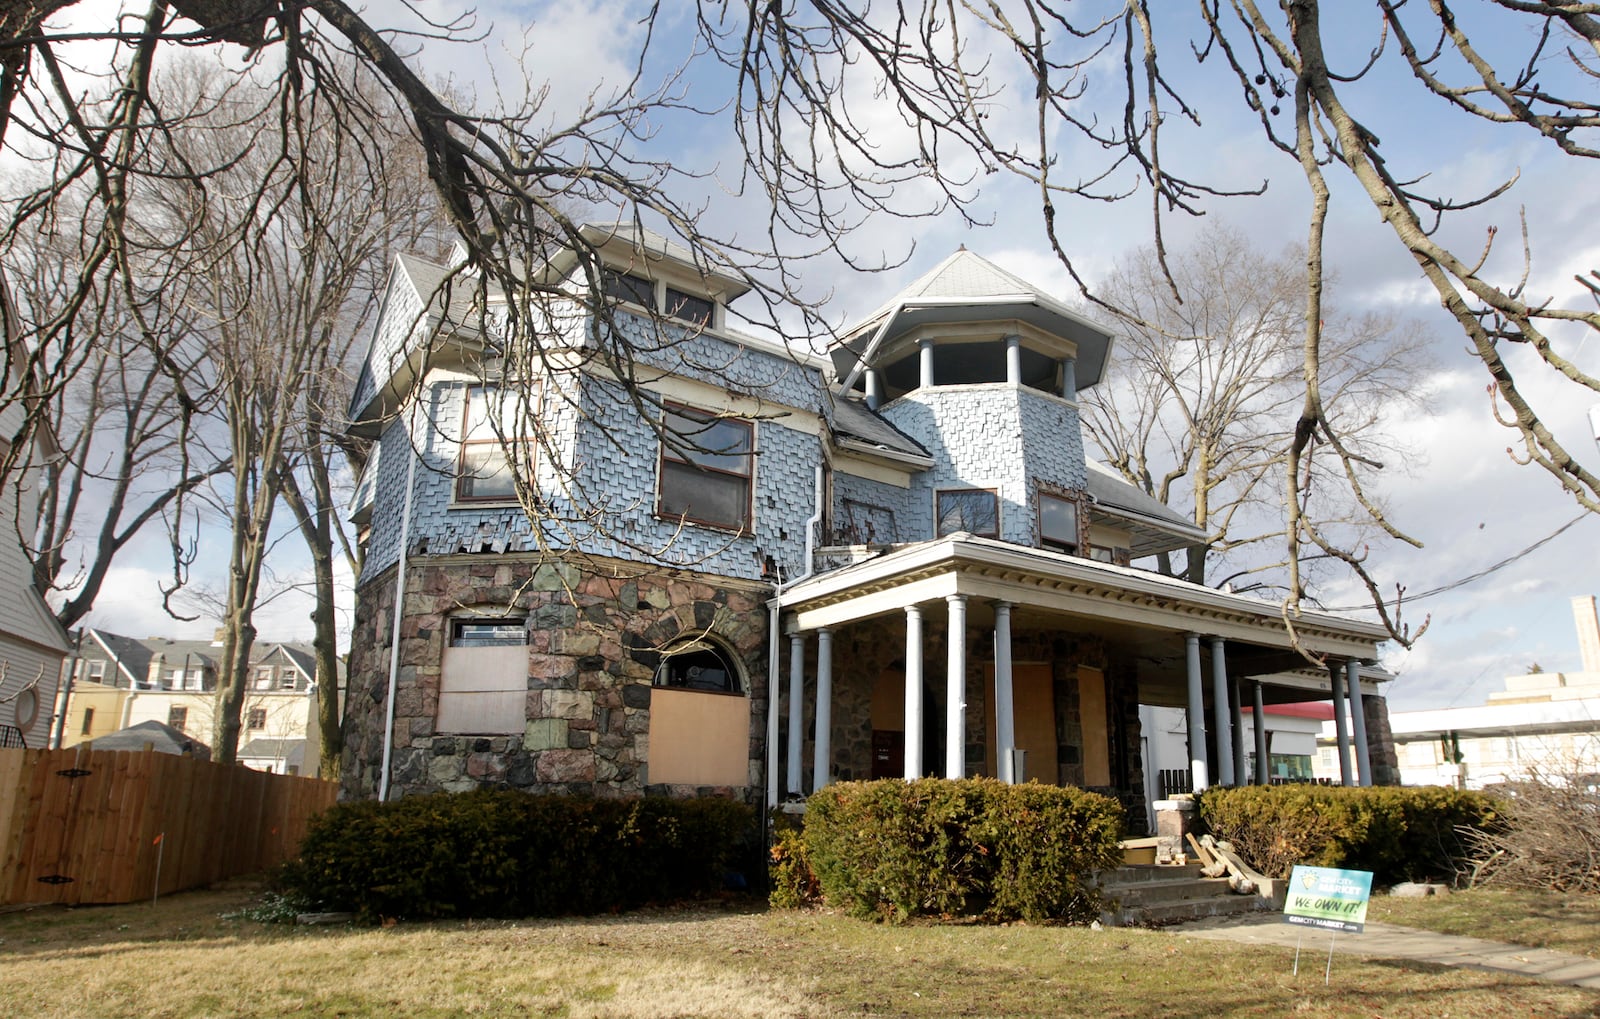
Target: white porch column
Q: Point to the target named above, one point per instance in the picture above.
(1263, 759)
(1005, 727)
(913, 768)
(822, 761)
(1341, 725)
(874, 388)
(955, 690)
(1358, 722)
(797, 712)
(925, 363)
(1219, 709)
(1069, 378)
(1014, 360)
(1197, 713)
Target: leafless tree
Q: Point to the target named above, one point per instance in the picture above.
(1202, 395)
(123, 464)
(1073, 99)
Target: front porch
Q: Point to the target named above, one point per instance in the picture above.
(970, 656)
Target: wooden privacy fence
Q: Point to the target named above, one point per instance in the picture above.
(96, 826)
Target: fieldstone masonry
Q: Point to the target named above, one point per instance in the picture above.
(596, 637)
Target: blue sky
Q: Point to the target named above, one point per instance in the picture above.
(1465, 499)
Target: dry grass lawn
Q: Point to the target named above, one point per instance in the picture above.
(1539, 919)
(181, 959)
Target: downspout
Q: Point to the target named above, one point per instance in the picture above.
(774, 638)
(399, 605)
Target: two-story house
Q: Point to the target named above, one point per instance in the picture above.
(754, 570)
(121, 682)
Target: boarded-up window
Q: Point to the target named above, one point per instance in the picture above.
(483, 680)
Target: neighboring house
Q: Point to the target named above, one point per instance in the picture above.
(156, 736)
(950, 579)
(1544, 724)
(32, 643)
(122, 681)
(1291, 738)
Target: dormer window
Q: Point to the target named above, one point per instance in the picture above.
(622, 286)
(1058, 523)
(689, 308)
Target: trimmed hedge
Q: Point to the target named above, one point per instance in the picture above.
(503, 853)
(891, 850)
(1399, 834)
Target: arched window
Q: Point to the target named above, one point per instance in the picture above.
(698, 664)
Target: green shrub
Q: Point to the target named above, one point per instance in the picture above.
(891, 850)
(1399, 834)
(793, 883)
(508, 853)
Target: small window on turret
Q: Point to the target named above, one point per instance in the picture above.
(973, 510)
(689, 308)
(1058, 523)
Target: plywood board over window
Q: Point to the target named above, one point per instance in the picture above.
(483, 679)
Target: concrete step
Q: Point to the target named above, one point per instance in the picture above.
(1147, 895)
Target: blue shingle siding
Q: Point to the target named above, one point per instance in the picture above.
(618, 455)
(389, 339)
(706, 357)
(993, 436)
(848, 487)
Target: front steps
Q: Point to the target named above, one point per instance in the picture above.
(1142, 895)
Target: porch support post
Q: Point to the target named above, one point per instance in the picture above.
(874, 388)
(1014, 360)
(797, 711)
(1358, 722)
(1263, 760)
(822, 761)
(1241, 756)
(913, 762)
(1005, 728)
(955, 719)
(1069, 378)
(1219, 709)
(1197, 714)
(1341, 725)
(925, 363)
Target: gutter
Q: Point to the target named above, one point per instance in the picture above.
(399, 605)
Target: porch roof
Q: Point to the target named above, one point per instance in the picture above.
(1142, 612)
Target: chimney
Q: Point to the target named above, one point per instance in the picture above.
(1583, 614)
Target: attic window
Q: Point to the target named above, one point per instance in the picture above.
(622, 286)
(689, 308)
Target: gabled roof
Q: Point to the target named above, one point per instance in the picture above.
(1154, 526)
(858, 427)
(967, 287)
(164, 739)
(128, 654)
(291, 752)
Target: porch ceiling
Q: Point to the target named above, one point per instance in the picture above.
(1145, 615)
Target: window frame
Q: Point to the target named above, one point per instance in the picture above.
(675, 299)
(965, 490)
(178, 717)
(455, 703)
(499, 443)
(697, 646)
(88, 722)
(676, 459)
(1078, 544)
(621, 286)
(255, 720)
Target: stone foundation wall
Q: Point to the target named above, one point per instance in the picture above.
(596, 633)
(1380, 741)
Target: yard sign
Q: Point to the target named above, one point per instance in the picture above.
(1329, 898)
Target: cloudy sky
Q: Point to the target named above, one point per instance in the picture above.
(1463, 497)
